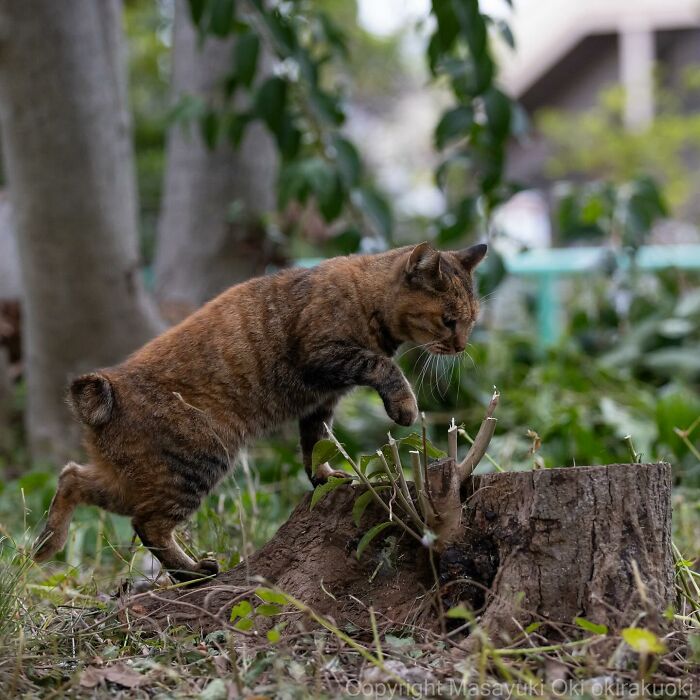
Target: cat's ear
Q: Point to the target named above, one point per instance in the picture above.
(424, 264)
(472, 256)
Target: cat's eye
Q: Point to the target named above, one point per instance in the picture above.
(450, 323)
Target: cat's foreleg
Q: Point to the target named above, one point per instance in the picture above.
(311, 430)
(340, 366)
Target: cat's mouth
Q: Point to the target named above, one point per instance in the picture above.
(439, 349)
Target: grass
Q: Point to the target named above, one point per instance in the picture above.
(62, 633)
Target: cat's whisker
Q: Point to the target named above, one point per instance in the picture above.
(423, 371)
(410, 348)
(449, 366)
(434, 381)
(418, 359)
(459, 381)
(439, 364)
(466, 354)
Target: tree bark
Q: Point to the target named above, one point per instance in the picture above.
(544, 546)
(68, 157)
(210, 233)
(5, 399)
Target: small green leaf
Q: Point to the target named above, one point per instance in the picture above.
(346, 242)
(416, 442)
(268, 610)
(197, 10)
(241, 610)
(274, 635)
(532, 627)
(643, 641)
(235, 127)
(694, 644)
(326, 107)
(210, 128)
(348, 161)
(270, 102)
(366, 460)
(324, 450)
(460, 612)
(370, 535)
(221, 18)
(378, 210)
(244, 625)
(330, 195)
(270, 596)
(498, 112)
(454, 124)
(245, 57)
(361, 503)
(334, 34)
(323, 490)
(288, 138)
(592, 627)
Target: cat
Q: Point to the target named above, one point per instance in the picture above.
(162, 428)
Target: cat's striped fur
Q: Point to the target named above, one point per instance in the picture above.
(162, 428)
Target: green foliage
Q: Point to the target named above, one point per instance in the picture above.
(322, 491)
(597, 144)
(592, 627)
(299, 105)
(643, 641)
(473, 134)
(303, 109)
(367, 538)
(621, 213)
(607, 379)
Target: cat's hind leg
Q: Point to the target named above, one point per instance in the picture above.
(77, 484)
(157, 535)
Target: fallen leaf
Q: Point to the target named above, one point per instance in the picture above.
(117, 673)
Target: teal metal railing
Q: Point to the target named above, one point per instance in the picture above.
(549, 265)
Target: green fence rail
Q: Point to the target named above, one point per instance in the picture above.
(547, 266)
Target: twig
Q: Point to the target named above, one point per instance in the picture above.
(399, 469)
(368, 484)
(452, 440)
(406, 503)
(423, 502)
(481, 441)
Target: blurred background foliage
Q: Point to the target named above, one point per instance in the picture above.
(667, 150)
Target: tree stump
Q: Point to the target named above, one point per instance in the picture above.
(545, 546)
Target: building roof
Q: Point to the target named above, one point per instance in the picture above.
(546, 31)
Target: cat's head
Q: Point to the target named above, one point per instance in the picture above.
(436, 306)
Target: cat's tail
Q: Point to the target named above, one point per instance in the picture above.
(91, 396)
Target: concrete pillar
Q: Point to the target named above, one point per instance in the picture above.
(636, 46)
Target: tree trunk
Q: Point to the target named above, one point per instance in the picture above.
(210, 233)
(544, 546)
(5, 400)
(67, 148)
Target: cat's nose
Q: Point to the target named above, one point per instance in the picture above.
(459, 345)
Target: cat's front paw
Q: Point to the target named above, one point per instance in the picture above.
(402, 410)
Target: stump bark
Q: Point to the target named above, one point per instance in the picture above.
(545, 546)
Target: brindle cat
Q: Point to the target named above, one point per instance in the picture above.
(162, 428)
